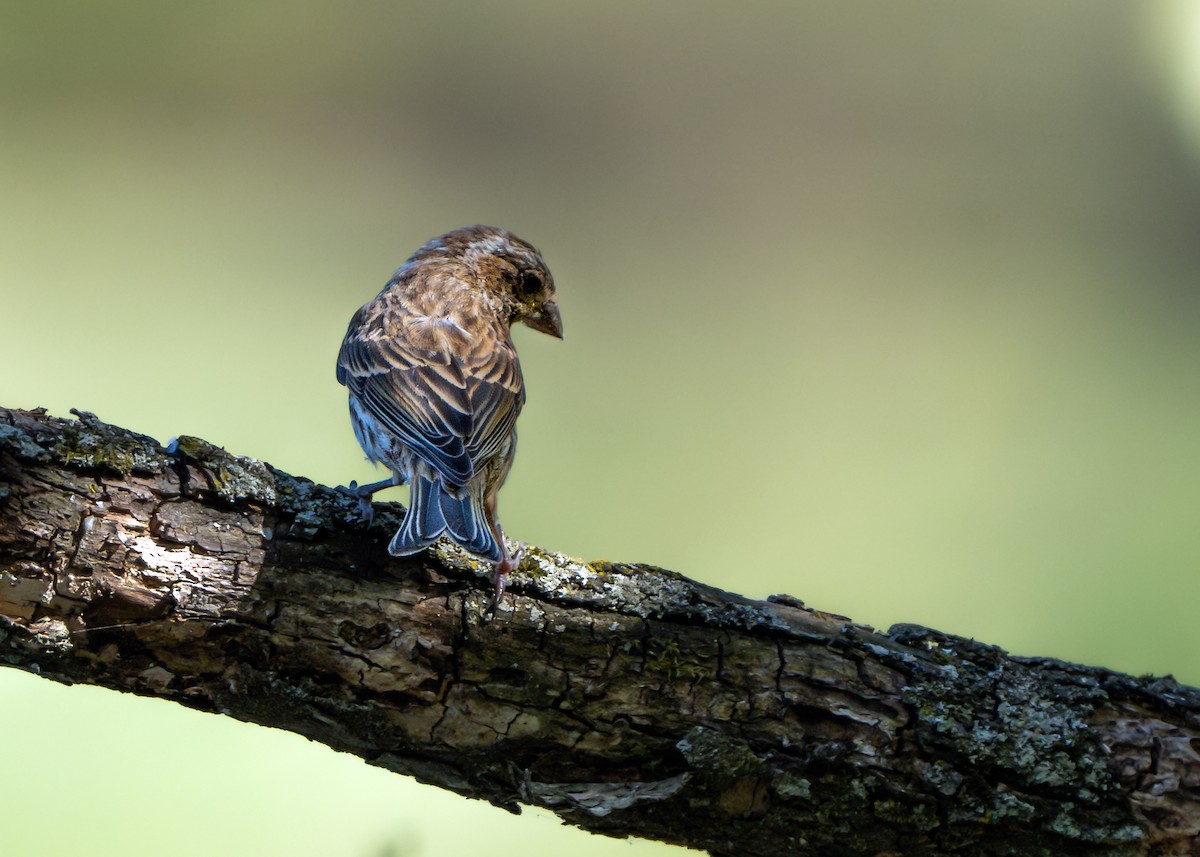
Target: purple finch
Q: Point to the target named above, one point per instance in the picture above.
(435, 384)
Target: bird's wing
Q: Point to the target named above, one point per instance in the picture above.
(450, 395)
(496, 393)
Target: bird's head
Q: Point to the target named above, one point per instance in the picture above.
(512, 271)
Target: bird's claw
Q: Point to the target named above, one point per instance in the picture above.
(500, 578)
(366, 511)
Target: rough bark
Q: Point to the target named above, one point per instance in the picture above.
(630, 700)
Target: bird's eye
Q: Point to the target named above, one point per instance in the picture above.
(530, 284)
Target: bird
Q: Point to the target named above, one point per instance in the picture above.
(435, 386)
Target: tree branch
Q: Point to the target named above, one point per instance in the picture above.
(628, 699)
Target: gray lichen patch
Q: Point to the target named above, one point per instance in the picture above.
(21, 444)
(988, 719)
(1025, 732)
(641, 590)
(230, 477)
(94, 445)
(566, 577)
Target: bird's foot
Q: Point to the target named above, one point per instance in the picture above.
(363, 494)
(500, 577)
(366, 512)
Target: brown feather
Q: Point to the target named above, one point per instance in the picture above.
(434, 380)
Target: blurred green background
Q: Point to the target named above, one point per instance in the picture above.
(892, 307)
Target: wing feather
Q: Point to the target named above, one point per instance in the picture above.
(449, 396)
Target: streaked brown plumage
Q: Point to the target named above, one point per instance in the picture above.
(435, 384)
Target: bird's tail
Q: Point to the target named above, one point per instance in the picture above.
(433, 511)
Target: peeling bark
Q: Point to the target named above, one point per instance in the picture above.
(626, 698)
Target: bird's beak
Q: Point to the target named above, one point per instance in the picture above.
(547, 320)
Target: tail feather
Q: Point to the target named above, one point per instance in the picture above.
(433, 511)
